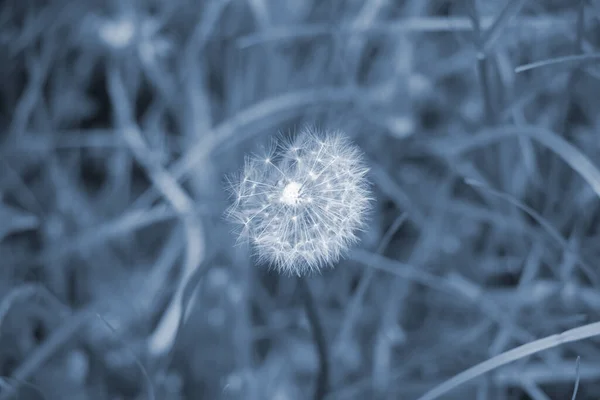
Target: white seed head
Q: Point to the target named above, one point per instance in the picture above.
(118, 33)
(291, 194)
(302, 204)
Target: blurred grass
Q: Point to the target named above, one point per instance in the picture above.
(119, 119)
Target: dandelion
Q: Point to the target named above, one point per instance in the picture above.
(140, 33)
(117, 33)
(301, 205)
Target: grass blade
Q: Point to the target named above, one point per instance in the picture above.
(574, 157)
(528, 349)
(512, 8)
(577, 376)
(573, 59)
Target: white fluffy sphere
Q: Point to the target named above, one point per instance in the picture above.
(301, 205)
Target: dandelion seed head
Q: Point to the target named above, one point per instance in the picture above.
(301, 206)
(291, 194)
(117, 33)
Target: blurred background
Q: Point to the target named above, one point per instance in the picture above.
(119, 119)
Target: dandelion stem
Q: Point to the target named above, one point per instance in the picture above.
(319, 338)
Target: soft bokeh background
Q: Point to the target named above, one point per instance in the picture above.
(119, 120)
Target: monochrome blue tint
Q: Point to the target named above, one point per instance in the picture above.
(299, 199)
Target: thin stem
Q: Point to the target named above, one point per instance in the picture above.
(580, 26)
(149, 386)
(319, 338)
(482, 70)
(575, 73)
(577, 376)
(482, 64)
